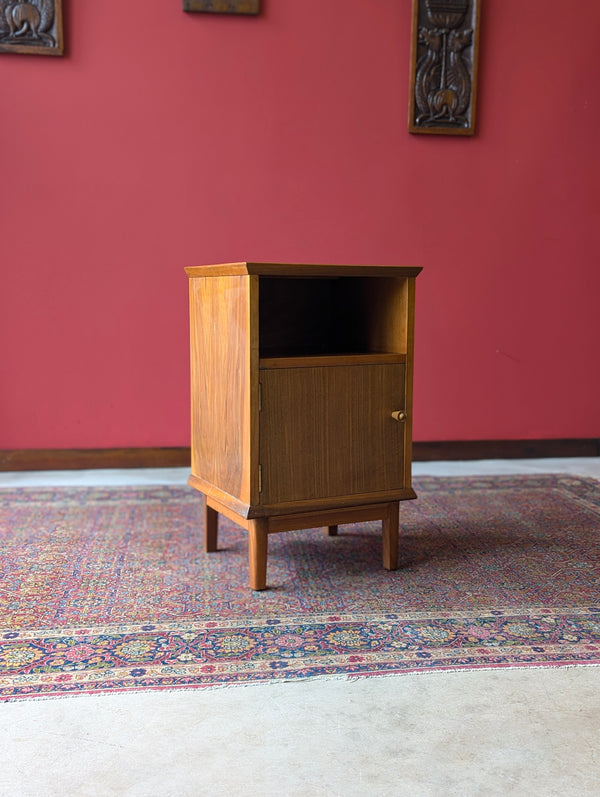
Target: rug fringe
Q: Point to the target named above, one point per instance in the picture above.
(349, 679)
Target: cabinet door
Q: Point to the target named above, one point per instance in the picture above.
(329, 431)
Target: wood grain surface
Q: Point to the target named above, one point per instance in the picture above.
(221, 349)
(328, 431)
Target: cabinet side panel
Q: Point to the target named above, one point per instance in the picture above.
(386, 313)
(220, 382)
(409, 304)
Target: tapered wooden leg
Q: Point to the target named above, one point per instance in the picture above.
(257, 553)
(332, 531)
(211, 528)
(390, 537)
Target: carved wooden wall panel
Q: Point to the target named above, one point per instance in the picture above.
(223, 6)
(443, 84)
(34, 26)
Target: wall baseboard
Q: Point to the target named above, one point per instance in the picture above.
(504, 449)
(94, 458)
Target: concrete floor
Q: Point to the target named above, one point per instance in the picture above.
(497, 732)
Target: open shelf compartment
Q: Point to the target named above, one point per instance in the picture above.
(360, 319)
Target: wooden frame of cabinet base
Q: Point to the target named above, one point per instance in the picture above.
(259, 529)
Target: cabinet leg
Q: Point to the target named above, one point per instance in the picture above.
(257, 553)
(211, 528)
(390, 537)
(332, 531)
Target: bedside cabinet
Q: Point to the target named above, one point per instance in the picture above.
(301, 398)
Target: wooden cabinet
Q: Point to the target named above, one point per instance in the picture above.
(301, 383)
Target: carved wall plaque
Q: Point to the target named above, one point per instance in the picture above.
(443, 79)
(223, 6)
(34, 26)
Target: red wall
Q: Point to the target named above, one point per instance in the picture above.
(164, 139)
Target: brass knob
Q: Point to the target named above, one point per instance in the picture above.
(399, 415)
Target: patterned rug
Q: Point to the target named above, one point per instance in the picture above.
(107, 589)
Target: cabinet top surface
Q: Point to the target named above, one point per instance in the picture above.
(300, 270)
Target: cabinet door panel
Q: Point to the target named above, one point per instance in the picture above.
(329, 431)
